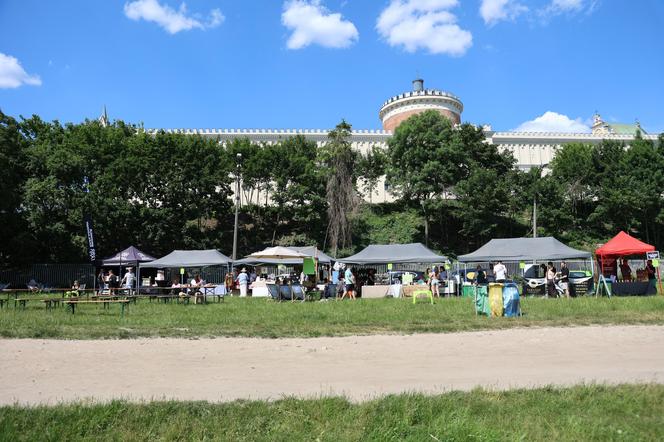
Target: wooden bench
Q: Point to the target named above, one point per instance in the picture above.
(51, 303)
(105, 302)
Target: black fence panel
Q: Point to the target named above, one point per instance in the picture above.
(49, 275)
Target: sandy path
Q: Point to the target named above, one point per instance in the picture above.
(48, 371)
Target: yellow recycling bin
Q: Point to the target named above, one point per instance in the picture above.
(496, 299)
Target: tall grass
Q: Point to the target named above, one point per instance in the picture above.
(263, 318)
(584, 413)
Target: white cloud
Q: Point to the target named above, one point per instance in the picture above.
(558, 7)
(312, 23)
(12, 74)
(493, 11)
(168, 18)
(554, 122)
(425, 24)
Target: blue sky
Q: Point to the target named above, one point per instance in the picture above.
(307, 64)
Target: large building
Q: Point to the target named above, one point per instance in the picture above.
(529, 148)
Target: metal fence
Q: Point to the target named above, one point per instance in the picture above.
(49, 275)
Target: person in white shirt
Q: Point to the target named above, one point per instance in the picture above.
(500, 272)
(196, 284)
(243, 280)
(129, 279)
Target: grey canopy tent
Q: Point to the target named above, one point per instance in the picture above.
(524, 249)
(308, 250)
(393, 254)
(130, 255)
(189, 258)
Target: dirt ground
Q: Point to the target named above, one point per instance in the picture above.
(49, 371)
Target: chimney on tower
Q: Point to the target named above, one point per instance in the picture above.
(418, 85)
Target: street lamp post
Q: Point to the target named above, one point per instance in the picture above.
(238, 159)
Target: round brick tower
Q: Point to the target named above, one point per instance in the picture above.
(397, 109)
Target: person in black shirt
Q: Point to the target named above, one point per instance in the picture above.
(480, 276)
(564, 278)
(652, 272)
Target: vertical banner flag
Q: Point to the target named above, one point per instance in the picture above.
(92, 248)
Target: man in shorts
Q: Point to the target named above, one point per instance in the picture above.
(564, 278)
(349, 281)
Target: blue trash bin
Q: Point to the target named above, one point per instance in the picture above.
(511, 301)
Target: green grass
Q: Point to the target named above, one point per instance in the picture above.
(584, 413)
(263, 318)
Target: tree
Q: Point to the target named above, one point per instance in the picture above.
(298, 185)
(428, 157)
(340, 160)
(13, 144)
(371, 168)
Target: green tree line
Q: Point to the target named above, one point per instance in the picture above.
(162, 191)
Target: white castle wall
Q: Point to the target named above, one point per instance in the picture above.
(531, 149)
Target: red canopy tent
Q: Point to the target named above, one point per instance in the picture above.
(620, 245)
(623, 244)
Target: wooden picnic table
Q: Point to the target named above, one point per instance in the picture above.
(71, 304)
(190, 291)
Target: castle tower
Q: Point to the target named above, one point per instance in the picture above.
(399, 108)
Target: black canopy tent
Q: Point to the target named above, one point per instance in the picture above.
(394, 254)
(129, 256)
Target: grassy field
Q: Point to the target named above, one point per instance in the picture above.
(584, 413)
(263, 318)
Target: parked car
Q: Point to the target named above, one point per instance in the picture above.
(581, 282)
(397, 275)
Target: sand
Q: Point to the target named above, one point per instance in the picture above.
(34, 371)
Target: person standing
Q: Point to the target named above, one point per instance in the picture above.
(349, 281)
(480, 276)
(243, 281)
(564, 278)
(550, 281)
(625, 270)
(101, 282)
(113, 282)
(228, 283)
(500, 271)
(434, 282)
(652, 271)
(129, 279)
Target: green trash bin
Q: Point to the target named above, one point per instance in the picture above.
(482, 306)
(468, 291)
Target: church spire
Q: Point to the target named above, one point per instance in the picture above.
(103, 119)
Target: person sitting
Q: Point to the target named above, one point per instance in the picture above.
(625, 270)
(175, 285)
(196, 285)
(33, 286)
(74, 290)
